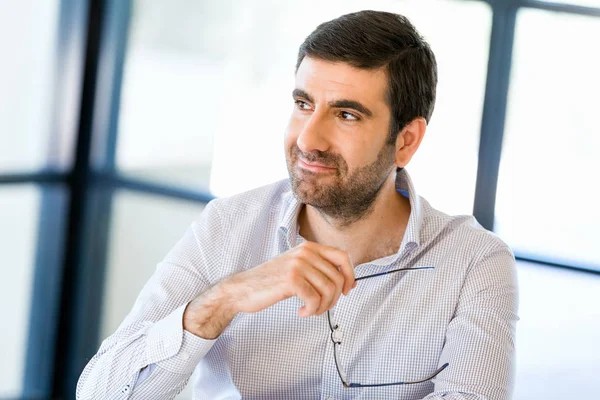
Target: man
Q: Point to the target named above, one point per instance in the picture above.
(340, 282)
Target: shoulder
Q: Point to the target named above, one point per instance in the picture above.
(473, 255)
(462, 233)
(251, 205)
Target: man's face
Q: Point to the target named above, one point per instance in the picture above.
(336, 142)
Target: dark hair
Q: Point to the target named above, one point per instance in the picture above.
(376, 39)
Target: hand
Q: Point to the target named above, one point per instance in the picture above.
(317, 274)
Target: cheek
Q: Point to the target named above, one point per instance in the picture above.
(293, 129)
(356, 152)
(359, 153)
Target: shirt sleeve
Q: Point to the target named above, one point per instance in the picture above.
(152, 334)
(480, 339)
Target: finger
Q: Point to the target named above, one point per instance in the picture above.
(330, 271)
(309, 296)
(341, 259)
(325, 287)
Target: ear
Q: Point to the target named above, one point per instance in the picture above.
(408, 141)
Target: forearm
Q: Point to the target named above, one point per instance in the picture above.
(209, 314)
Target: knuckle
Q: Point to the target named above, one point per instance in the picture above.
(312, 301)
(294, 273)
(339, 279)
(330, 287)
(313, 295)
(296, 253)
(296, 263)
(305, 246)
(305, 290)
(302, 253)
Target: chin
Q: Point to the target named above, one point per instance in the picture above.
(304, 191)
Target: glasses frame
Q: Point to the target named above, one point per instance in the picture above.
(337, 341)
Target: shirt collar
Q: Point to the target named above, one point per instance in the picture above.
(288, 218)
(404, 186)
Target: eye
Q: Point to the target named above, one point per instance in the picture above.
(302, 105)
(346, 116)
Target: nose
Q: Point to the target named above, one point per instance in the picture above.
(313, 135)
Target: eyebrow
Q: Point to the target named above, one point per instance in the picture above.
(352, 104)
(341, 103)
(302, 93)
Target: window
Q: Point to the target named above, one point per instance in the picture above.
(547, 204)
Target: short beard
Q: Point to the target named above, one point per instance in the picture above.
(351, 196)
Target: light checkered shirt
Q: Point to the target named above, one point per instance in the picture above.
(396, 327)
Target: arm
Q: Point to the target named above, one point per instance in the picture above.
(480, 339)
(152, 334)
(157, 347)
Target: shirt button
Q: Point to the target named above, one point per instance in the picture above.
(337, 336)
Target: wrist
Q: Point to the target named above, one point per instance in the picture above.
(209, 314)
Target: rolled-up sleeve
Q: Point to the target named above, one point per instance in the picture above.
(480, 339)
(152, 335)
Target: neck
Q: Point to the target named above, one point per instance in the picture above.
(376, 234)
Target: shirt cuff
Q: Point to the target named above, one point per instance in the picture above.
(173, 348)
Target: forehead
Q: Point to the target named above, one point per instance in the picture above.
(336, 80)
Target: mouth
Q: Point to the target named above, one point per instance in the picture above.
(313, 166)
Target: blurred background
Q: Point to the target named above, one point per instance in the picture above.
(120, 120)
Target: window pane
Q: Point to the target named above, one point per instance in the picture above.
(28, 39)
(557, 336)
(143, 230)
(19, 217)
(548, 196)
(207, 85)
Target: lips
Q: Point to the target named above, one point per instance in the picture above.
(313, 166)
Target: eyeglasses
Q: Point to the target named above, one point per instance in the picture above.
(337, 341)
